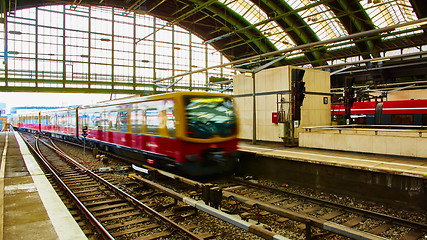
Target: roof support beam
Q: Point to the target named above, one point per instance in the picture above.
(304, 46)
(228, 16)
(354, 19)
(299, 31)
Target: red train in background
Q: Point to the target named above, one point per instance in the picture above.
(195, 133)
(403, 112)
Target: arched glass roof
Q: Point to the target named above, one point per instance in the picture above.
(250, 33)
(320, 18)
(389, 12)
(255, 16)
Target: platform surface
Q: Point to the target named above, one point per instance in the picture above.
(30, 207)
(413, 167)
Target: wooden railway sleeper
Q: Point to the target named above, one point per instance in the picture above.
(308, 225)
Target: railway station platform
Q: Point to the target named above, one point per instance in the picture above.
(395, 180)
(390, 164)
(30, 207)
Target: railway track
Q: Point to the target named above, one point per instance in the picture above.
(295, 215)
(268, 211)
(328, 217)
(178, 215)
(113, 213)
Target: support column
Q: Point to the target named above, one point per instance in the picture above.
(154, 53)
(206, 65)
(89, 47)
(254, 109)
(173, 56)
(64, 68)
(37, 47)
(6, 49)
(134, 53)
(112, 52)
(190, 62)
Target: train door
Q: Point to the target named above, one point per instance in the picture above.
(379, 113)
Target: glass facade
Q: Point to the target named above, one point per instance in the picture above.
(80, 47)
(105, 49)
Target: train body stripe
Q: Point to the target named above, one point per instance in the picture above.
(403, 110)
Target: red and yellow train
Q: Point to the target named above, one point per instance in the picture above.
(195, 133)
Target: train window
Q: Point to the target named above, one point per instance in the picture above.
(424, 120)
(136, 120)
(358, 119)
(43, 120)
(123, 121)
(95, 119)
(171, 121)
(113, 121)
(85, 119)
(152, 120)
(72, 121)
(103, 121)
(60, 117)
(52, 120)
(402, 119)
(209, 116)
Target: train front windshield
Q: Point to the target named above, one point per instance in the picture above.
(209, 117)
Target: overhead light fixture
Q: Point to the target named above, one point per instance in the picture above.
(379, 60)
(13, 52)
(84, 56)
(145, 61)
(105, 40)
(15, 32)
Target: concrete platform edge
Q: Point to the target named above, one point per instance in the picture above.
(2, 173)
(63, 222)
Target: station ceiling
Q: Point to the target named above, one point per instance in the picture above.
(243, 29)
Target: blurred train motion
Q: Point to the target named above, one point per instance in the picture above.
(195, 133)
(404, 112)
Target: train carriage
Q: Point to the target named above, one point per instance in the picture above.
(193, 132)
(402, 112)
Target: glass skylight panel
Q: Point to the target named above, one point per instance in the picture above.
(321, 19)
(389, 12)
(254, 15)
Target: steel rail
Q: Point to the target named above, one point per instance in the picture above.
(320, 223)
(92, 219)
(403, 222)
(124, 194)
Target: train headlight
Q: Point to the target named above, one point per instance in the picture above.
(192, 158)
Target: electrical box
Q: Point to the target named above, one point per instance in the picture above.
(274, 117)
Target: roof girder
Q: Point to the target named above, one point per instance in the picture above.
(297, 29)
(354, 19)
(349, 16)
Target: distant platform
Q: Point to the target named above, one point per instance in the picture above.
(413, 167)
(396, 180)
(30, 207)
(406, 141)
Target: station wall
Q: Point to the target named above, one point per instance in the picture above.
(270, 83)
